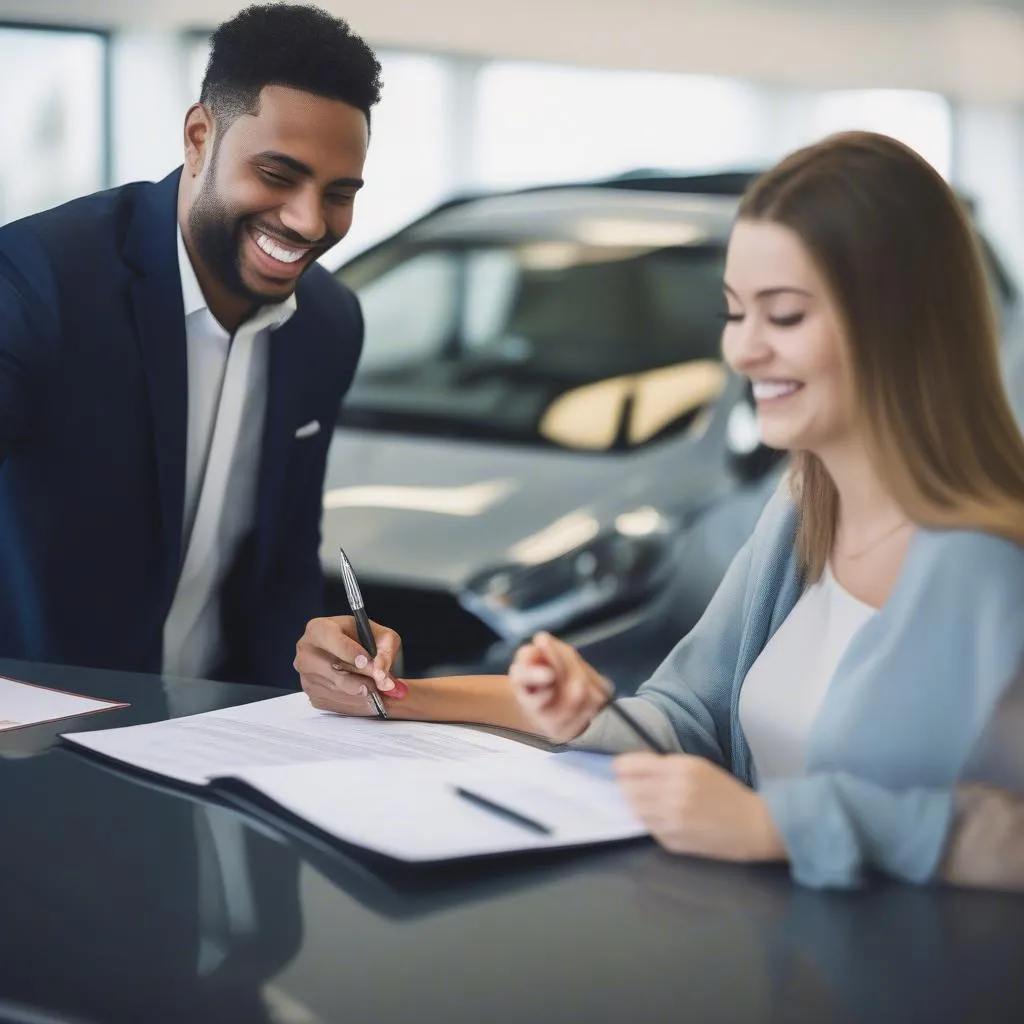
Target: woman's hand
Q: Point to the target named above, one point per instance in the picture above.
(334, 669)
(558, 693)
(694, 807)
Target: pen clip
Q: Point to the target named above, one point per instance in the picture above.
(348, 578)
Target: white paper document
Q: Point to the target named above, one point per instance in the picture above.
(388, 786)
(23, 704)
(413, 812)
(285, 731)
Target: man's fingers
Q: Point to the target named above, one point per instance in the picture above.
(400, 690)
(324, 696)
(314, 661)
(351, 683)
(330, 635)
(388, 642)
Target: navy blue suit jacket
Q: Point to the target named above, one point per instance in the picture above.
(93, 434)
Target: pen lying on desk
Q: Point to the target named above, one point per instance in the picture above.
(501, 811)
(365, 633)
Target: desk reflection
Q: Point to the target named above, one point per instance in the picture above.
(184, 915)
(888, 953)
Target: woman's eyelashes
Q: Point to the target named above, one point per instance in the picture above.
(788, 320)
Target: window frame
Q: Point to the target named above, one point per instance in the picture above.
(106, 81)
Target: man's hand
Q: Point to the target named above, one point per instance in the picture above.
(334, 669)
(692, 806)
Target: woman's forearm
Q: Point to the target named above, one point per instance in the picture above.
(483, 700)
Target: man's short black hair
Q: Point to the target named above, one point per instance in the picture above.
(294, 45)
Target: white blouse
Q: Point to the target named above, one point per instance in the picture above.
(785, 686)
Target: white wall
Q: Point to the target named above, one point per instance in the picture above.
(965, 49)
(151, 93)
(990, 168)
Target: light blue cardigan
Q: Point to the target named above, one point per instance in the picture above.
(909, 713)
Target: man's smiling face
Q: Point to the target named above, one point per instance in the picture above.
(275, 192)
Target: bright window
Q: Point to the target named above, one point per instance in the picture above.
(922, 120)
(408, 164)
(538, 123)
(52, 118)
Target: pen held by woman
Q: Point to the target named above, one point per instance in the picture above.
(560, 694)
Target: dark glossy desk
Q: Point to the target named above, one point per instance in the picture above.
(122, 902)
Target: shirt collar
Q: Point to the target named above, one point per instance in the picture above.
(271, 317)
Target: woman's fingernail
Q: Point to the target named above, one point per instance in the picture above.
(362, 661)
(364, 691)
(386, 684)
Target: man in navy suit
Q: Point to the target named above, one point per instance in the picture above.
(172, 359)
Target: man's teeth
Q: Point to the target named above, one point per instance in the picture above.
(279, 252)
(766, 389)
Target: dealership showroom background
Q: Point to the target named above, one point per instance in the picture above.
(541, 436)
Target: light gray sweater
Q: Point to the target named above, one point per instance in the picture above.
(929, 694)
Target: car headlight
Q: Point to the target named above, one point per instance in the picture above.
(573, 571)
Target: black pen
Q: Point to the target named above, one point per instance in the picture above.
(612, 705)
(363, 630)
(502, 812)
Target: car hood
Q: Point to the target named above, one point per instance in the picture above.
(435, 513)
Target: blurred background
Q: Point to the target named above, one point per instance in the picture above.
(542, 433)
(482, 94)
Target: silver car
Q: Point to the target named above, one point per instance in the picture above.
(542, 434)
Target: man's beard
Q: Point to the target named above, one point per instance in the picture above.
(218, 236)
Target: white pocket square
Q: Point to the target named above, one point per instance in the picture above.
(311, 428)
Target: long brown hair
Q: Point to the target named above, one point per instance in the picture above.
(904, 270)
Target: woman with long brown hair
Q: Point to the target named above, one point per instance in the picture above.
(850, 699)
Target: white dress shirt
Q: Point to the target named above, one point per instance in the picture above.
(784, 689)
(227, 400)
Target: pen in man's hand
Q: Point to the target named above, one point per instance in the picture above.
(363, 630)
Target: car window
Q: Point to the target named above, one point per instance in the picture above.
(410, 311)
(502, 340)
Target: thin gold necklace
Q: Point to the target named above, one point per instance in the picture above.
(877, 540)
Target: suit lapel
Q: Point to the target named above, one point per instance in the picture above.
(284, 396)
(151, 247)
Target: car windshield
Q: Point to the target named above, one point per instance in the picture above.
(537, 341)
